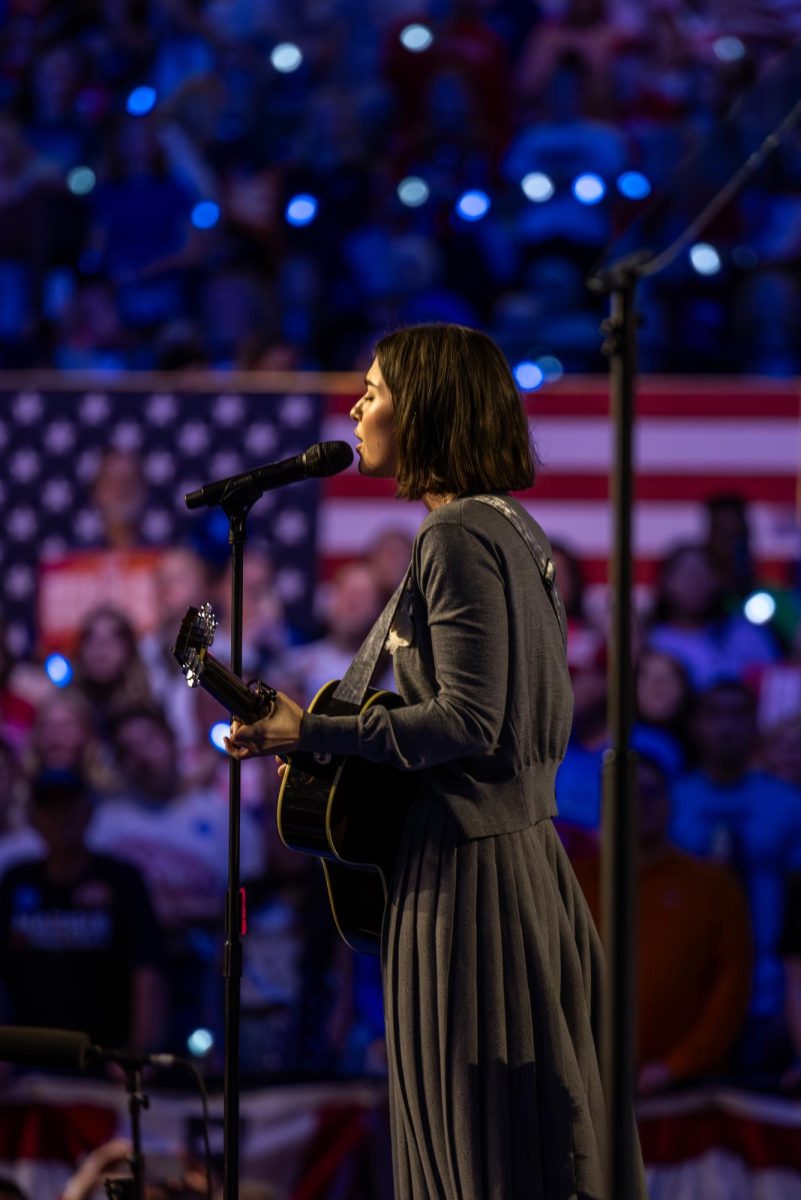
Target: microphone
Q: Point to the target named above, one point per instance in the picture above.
(67, 1048)
(318, 462)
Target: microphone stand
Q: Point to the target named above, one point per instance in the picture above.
(134, 1188)
(236, 496)
(236, 504)
(618, 863)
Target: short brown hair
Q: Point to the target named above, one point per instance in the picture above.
(460, 426)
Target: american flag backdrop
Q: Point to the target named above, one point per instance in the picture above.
(695, 438)
(53, 430)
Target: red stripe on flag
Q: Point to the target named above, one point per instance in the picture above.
(557, 485)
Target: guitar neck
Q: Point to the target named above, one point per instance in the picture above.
(231, 692)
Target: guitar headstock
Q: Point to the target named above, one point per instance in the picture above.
(194, 638)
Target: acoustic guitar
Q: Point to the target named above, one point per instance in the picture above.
(344, 810)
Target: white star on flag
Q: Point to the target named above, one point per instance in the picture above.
(162, 409)
(94, 408)
(27, 408)
(24, 465)
(228, 410)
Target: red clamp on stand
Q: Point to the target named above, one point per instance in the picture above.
(243, 912)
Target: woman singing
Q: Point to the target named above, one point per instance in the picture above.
(491, 964)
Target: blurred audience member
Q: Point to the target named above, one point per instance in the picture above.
(141, 228)
(57, 127)
(728, 541)
(778, 686)
(781, 750)
(353, 602)
(39, 226)
(119, 493)
(64, 738)
(578, 780)
(663, 700)
(584, 38)
(108, 669)
(689, 621)
(751, 821)
(694, 953)
(88, 334)
(296, 987)
(79, 943)
(238, 313)
(178, 840)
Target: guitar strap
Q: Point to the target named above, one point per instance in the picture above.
(352, 688)
(545, 565)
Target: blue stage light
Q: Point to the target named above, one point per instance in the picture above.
(589, 188)
(219, 731)
(205, 214)
(301, 209)
(81, 180)
(705, 258)
(728, 48)
(759, 608)
(413, 191)
(200, 1042)
(473, 205)
(537, 186)
(416, 37)
(551, 368)
(286, 57)
(633, 185)
(58, 669)
(528, 376)
(141, 101)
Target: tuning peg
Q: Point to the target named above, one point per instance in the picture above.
(208, 617)
(192, 667)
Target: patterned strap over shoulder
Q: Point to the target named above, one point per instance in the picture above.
(545, 565)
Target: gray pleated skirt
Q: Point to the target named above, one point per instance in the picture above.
(492, 984)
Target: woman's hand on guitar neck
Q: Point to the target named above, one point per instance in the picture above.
(277, 734)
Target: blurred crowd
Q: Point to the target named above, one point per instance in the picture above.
(252, 183)
(718, 794)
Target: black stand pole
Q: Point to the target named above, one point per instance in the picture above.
(618, 860)
(618, 867)
(137, 1100)
(236, 507)
(133, 1188)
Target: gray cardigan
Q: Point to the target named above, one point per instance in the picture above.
(488, 703)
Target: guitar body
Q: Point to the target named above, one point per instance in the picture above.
(348, 812)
